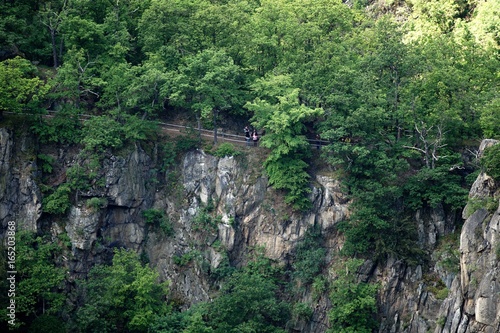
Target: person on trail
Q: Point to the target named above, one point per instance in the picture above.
(318, 141)
(255, 138)
(247, 135)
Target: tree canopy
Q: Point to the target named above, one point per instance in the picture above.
(398, 91)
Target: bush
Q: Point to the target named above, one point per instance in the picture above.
(309, 257)
(289, 174)
(203, 221)
(96, 203)
(225, 150)
(46, 162)
(354, 304)
(186, 143)
(435, 186)
(102, 132)
(186, 258)
(168, 155)
(47, 323)
(77, 178)
(491, 161)
(113, 131)
(158, 219)
(125, 295)
(65, 127)
(57, 202)
(302, 311)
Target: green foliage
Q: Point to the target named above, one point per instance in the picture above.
(205, 220)
(319, 287)
(168, 155)
(39, 281)
(64, 127)
(448, 253)
(47, 323)
(125, 295)
(226, 150)
(207, 83)
(158, 219)
(283, 123)
(302, 311)
(248, 302)
(309, 256)
(436, 286)
(57, 202)
(102, 132)
(186, 258)
(490, 161)
(489, 119)
(97, 203)
(489, 203)
(431, 187)
(19, 86)
(354, 303)
(187, 143)
(78, 178)
(442, 293)
(46, 162)
(399, 93)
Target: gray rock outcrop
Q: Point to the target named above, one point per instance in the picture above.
(412, 298)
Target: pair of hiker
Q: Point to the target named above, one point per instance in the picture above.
(254, 136)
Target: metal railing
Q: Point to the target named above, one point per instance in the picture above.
(221, 135)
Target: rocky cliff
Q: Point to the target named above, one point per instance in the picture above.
(419, 298)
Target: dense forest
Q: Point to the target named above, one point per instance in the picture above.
(400, 91)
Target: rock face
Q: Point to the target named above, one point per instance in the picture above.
(413, 299)
(20, 198)
(474, 304)
(473, 301)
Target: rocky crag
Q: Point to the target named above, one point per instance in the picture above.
(420, 298)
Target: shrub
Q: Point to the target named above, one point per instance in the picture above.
(125, 295)
(489, 203)
(354, 304)
(158, 219)
(168, 155)
(57, 202)
(46, 162)
(186, 258)
(47, 323)
(65, 127)
(309, 256)
(225, 150)
(442, 293)
(289, 174)
(448, 254)
(203, 221)
(302, 311)
(186, 143)
(78, 179)
(96, 203)
(434, 186)
(102, 132)
(491, 161)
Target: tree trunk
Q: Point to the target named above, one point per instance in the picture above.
(54, 46)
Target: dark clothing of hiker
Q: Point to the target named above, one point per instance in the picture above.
(247, 135)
